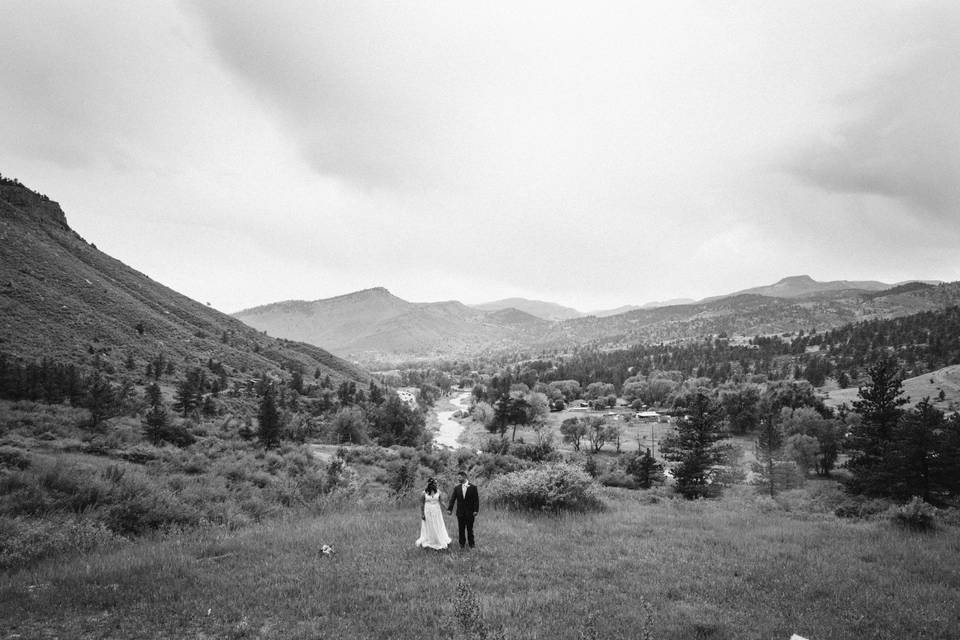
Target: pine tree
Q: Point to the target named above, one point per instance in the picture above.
(268, 417)
(869, 442)
(697, 448)
(99, 399)
(376, 394)
(156, 419)
(924, 459)
(768, 447)
(645, 469)
(189, 394)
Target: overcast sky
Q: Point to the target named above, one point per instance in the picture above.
(593, 154)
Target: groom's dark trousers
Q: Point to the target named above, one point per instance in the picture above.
(467, 507)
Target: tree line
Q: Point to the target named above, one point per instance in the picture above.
(920, 343)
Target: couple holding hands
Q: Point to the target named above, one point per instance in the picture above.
(433, 531)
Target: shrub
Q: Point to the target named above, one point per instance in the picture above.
(26, 540)
(177, 435)
(859, 507)
(490, 466)
(12, 458)
(552, 487)
(916, 515)
(402, 475)
(140, 454)
(543, 452)
(139, 506)
(48, 487)
(618, 478)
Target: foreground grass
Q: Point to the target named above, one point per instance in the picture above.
(738, 568)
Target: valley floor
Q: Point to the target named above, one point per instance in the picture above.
(741, 567)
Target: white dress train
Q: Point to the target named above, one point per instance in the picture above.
(433, 531)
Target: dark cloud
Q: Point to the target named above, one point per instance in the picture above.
(900, 136)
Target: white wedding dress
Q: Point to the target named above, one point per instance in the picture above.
(433, 531)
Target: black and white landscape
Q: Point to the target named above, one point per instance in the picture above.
(675, 285)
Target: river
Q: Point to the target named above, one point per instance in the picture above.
(450, 429)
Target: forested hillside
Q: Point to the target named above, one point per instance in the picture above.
(921, 342)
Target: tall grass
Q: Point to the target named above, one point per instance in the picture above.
(740, 567)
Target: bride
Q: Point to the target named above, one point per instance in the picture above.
(433, 531)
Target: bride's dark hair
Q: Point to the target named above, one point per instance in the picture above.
(431, 486)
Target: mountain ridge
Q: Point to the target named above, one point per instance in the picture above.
(416, 330)
(62, 298)
(538, 308)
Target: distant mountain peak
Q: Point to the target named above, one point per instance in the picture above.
(537, 308)
(797, 280)
(372, 292)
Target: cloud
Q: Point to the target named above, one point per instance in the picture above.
(899, 137)
(361, 87)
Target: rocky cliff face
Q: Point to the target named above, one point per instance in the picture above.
(17, 200)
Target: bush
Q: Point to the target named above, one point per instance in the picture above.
(139, 506)
(916, 515)
(618, 478)
(859, 507)
(12, 458)
(534, 452)
(26, 540)
(47, 487)
(402, 475)
(552, 487)
(177, 435)
(490, 465)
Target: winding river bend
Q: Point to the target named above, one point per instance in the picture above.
(450, 429)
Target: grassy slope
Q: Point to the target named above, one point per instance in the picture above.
(62, 298)
(928, 385)
(735, 568)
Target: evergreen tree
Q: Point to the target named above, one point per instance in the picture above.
(156, 366)
(100, 399)
(924, 459)
(376, 394)
(645, 469)
(870, 441)
(768, 447)
(268, 417)
(347, 392)
(156, 423)
(188, 396)
(696, 447)
(296, 382)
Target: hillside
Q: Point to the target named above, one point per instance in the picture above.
(62, 298)
(928, 385)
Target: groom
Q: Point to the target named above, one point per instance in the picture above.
(467, 499)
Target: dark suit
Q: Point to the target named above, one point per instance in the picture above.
(467, 508)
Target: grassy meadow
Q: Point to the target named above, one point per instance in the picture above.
(649, 566)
